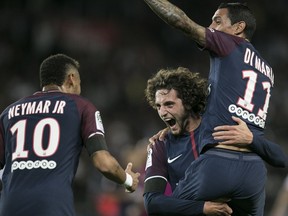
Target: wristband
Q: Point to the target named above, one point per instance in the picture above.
(129, 181)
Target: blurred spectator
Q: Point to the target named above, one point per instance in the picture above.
(280, 206)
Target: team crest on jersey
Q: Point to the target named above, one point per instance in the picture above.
(149, 158)
(99, 123)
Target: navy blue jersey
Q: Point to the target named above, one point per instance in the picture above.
(169, 159)
(41, 138)
(240, 84)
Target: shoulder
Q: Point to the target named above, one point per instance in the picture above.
(221, 43)
(82, 102)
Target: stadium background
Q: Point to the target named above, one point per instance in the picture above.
(119, 45)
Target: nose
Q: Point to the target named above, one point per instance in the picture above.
(211, 25)
(162, 111)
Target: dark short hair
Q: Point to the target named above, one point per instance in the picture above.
(240, 12)
(190, 88)
(54, 69)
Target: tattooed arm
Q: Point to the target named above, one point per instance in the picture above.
(176, 18)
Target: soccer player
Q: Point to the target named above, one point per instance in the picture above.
(41, 138)
(179, 97)
(241, 82)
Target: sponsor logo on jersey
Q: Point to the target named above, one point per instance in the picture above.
(173, 159)
(38, 164)
(247, 115)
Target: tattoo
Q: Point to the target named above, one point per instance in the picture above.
(175, 17)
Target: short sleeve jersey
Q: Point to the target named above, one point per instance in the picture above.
(240, 84)
(41, 138)
(169, 159)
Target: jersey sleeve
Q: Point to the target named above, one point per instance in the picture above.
(269, 151)
(156, 165)
(220, 43)
(91, 122)
(158, 204)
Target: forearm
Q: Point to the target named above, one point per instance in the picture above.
(159, 204)
(269, 151)
(109, 166)
(175, 17)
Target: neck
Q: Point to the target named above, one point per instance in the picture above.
(51, 88)
(193, 123)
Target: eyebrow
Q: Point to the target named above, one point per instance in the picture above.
(214, 18)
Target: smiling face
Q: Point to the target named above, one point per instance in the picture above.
(171, 110)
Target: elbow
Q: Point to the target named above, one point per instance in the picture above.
(284, 162)
(149, 205)
(280, 163)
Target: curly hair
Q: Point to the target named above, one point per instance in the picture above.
(190, 87)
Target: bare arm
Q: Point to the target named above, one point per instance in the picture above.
(175, 17)
(111, 169)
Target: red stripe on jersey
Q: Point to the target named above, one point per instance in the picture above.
(194, 148)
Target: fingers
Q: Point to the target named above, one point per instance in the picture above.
(129, 167)
(223, 128)
(134, 176)
(152, 140)
(163, 134)
(216, 208)
(149, 146)
(224, 135)
(230, 127)
(237, 120)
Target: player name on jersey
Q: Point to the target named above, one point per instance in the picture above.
(252, 59)
(36, 107)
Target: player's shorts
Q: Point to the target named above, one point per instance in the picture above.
(220, 173)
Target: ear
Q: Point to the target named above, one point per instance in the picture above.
(68, 83)
(239, 28)
(71, 79)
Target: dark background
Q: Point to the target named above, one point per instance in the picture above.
(120, 44)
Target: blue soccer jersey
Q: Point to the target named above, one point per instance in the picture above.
(41, 138)
(168, 161)
(240, 82)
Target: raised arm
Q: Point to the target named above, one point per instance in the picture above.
(240, 134)
(175, 17)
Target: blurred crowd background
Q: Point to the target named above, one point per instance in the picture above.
(120, 44)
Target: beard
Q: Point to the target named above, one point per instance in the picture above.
(181, 125)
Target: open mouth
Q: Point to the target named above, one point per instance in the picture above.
(171, 122)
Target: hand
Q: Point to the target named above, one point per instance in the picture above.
(160, 135)
(135, 177)
(216, 209)
(233, 134)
